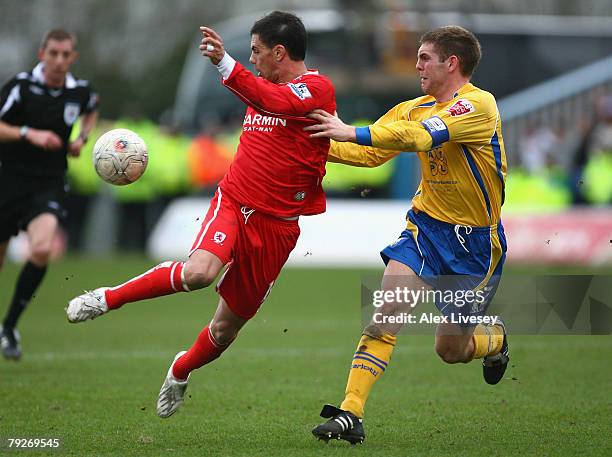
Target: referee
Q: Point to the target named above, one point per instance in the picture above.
(37, 112)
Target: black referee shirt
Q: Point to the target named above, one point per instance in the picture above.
(26, 100)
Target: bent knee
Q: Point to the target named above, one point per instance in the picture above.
(197, 279)
(40, 255)
(223, 332)
(199, 275)
(450, 353)
(201, 269)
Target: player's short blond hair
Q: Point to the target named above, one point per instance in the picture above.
(454, 40)
(58, 35)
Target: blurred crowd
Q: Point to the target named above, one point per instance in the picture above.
(563, 168)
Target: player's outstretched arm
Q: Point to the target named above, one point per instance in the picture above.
(355, 155)
(398, 136)
(343, 148)
(330, 126)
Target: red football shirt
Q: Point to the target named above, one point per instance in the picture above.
(278, 168)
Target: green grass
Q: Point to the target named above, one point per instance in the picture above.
(94, 385)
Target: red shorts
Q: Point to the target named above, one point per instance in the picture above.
(254, 245)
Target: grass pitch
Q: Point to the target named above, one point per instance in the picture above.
(94, 385)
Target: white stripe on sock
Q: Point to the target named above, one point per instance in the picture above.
(174, 265)
(183, 282)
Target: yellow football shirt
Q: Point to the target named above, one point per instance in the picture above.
(459, 144)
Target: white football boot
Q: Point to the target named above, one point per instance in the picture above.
(172, 392)
(87, 306)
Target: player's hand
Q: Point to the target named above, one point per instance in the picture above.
(330, 126)
(211, 45)
(75, 147)
(45, 139)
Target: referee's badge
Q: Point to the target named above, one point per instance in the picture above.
(71, 113)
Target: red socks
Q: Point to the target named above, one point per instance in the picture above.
(164, 279)
(204, 350)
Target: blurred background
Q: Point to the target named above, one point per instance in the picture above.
(549, 63)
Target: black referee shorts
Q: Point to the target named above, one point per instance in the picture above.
(22, 198)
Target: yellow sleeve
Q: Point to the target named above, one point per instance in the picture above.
(357, 155)
(401, 136)
(366, 156)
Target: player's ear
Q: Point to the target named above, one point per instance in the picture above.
(279, 52)
(453, 62)
(41, 53)
(74, 57)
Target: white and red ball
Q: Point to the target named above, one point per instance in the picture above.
(120, 157)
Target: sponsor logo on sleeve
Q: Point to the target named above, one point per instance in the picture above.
(461, 107)
(434, 124)
(300, 90)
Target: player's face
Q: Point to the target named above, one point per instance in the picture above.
(57, 56)
(263, 58)
(432, 71)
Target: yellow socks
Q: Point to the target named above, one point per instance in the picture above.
(373, 355)
(369, 363)
(487, 340)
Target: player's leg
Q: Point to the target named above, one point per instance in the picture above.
(212, 341)
(164, 279)
(261, 250)
(260, 253)
(378, 340)
(41, 231)
(8, 341)
(199, 271)
(370, 360)
(456, 344)
(408, 258)
(205, 262)
(480, 270)
(208, 346)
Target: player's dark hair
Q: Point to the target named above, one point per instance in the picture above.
(454, 40)
(282, 28)
(58, 35)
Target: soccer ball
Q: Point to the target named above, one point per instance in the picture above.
(120, 157)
